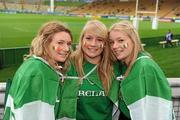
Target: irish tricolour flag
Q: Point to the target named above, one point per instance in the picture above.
(146, 91)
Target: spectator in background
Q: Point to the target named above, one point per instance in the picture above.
(169, 38)
(34, 89)
(145, 92)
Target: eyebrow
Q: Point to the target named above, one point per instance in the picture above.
(119, 37)
(116, 38)
(63, 40)
(89, 35)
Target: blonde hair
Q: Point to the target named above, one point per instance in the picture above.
(42, 40)
(104, 68)
(128, 28)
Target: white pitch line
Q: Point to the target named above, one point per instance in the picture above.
(21, 29)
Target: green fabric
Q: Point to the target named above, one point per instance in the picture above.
(7, 114)
(68, 104)
(33, 81)
(145, 78)
(93, 103)
(115, 86)
(58, 100)
(122, 106)
(8, 85)
(124, 109)
(79, 100)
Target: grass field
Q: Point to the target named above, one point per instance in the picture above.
(17, 30)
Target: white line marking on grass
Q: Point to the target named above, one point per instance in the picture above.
(21, 29)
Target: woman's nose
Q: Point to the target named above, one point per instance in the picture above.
(66, 48)
(115, 45)
(93, 42)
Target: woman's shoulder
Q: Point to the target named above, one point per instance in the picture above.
(145, 62)
(34, 66)
(144, 59)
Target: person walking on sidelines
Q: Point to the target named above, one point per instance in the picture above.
(144, 89)
(169, 38)
(34, 89)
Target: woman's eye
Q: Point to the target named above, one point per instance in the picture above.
(111, 42)
(88, 38)
(69, 44)
(120, 40)
(60, 43)
(100, 40)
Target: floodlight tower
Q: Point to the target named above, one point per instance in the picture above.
(52, 6)
(155, 19)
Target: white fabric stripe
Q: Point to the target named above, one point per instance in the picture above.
(71, 77)
(36, 110)
(89, 72)
(9, 103)
(81, 79)
(116, 112)
(142, 57)
(151, 108)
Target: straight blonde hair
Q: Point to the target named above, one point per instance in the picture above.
(97, 28)
(128, 28)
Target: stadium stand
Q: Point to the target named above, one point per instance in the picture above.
(175, 12)
(31, 5)
(100, 7)
(117, 7)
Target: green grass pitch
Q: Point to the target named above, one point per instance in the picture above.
(17, 30)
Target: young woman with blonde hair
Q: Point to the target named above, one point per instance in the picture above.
(34, 91)
(145, 92)
(87, 92)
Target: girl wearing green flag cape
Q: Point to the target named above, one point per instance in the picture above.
(87, 92)
(36, 83)
(144, 89)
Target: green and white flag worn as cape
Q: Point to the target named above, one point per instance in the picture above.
(33, 92)
(146, 91)
(70, 99)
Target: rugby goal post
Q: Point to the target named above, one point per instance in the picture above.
(52, 6)
(154, 20)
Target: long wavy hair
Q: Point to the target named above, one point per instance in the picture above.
(105, 69)
(127, 28)
(39, 45)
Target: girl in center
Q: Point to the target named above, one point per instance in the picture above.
(87, 92)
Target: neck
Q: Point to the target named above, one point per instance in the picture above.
(127, 60)
(94, 60)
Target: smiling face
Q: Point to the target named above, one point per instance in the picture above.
(59, 47)
(121, 45)
(92, 47)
